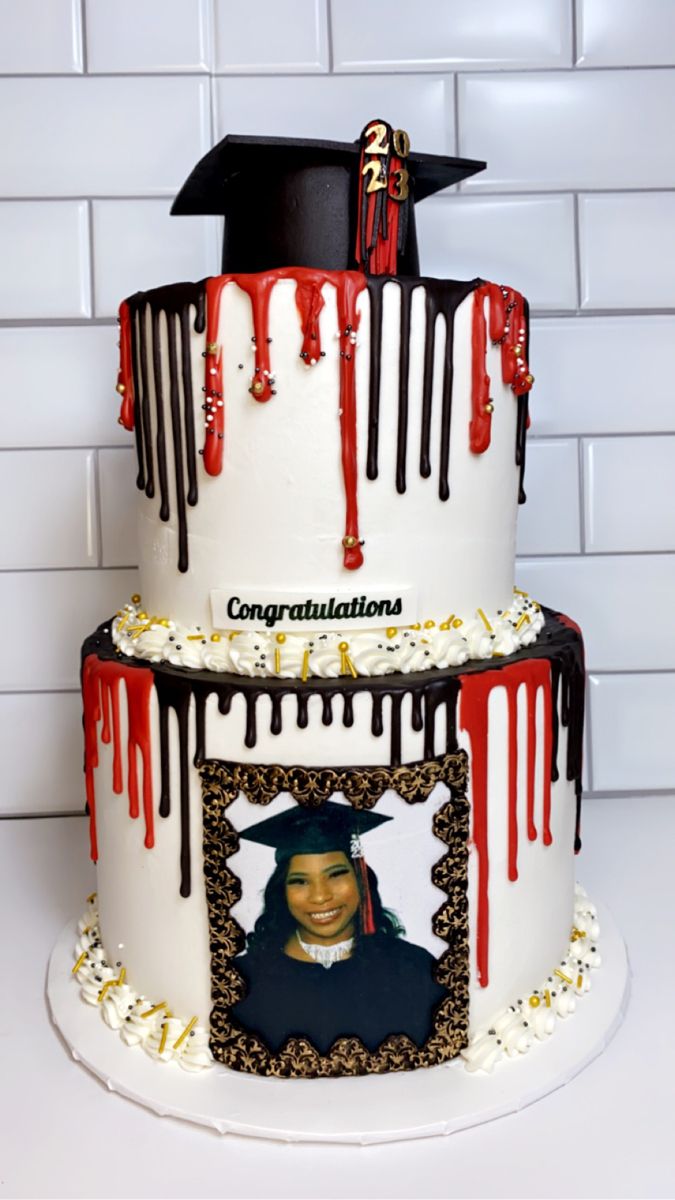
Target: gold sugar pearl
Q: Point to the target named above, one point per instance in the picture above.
(135, 599)
(281, 638)
(534, 1002)
(211, 347)
(349, 541)
(392, 631)
(429, 624)
(489, 408)
(457, 622)
(416, 626)
(517, 349)
(120, 388)
(343, 647)
(142, 616)
(444, 625)
(529, 378)
(257, 387)
(165, 622)
(215, 637)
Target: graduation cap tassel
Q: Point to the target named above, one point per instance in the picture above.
(367, 915)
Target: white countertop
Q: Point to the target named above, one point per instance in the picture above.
(608, 1133)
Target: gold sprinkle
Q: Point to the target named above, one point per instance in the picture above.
(257, 387)
(547, 998)
(305, 666)
(165, 1034)
(457, 622)
(349, 541)
(235, 633)
(392, 631)
(524, 620)
(580, 981)
(444, 625)
(91, 898)
(186, 1033)
(529, 378)
(215, 637)
(165, 622)
(519, 593)
(346, 664)
(194, 637)
(577, 933)
(142, 616)
(534, 1002)
(429, 624)
(150, 1012)
(517, 349)
(135, 599)
(281, 638)
(497, 654)
(79, 962)
(211, 347)
(561, 975)
(484, 619)
(416, 625)
(277, 660)
(343, 647)
(489, 408)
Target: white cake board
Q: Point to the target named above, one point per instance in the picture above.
(370, 1109)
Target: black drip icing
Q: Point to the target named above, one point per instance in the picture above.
(430, 693)
(167, 309)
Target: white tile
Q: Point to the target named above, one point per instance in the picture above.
(50, 779)
(435, 34)
(582, 381)
(271, 35)
(630, 494)
(571, 129)
(49, 501)
(51, 613)
(94, 136)
(634, 712)
(622, 33)
(40, 37)
(155, 35)
(617, 600)
(79, 405)
(338, 107)
(527, 242)
(627, 250)
(44, 251)
(119, 497)
(549, 522)
(139, 245)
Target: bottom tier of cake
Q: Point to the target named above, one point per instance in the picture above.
(333, 876)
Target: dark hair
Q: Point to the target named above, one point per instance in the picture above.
(275, 924)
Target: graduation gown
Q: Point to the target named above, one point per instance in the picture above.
(386, 987)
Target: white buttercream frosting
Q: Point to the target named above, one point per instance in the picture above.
(534, 1016)
(480, 635)
(139, 1020)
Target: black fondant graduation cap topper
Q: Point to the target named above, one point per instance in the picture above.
(295, 202)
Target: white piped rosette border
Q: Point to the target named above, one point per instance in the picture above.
(370, 652)
(535, 1017)
(139, 1021)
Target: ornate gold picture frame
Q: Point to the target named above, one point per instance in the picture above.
(362, 787)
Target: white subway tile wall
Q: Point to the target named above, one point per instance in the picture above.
(111, 106)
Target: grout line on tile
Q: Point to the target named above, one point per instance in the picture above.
(575, 31)
(81, 449)
(633, 671)
(97, 507)
(55, 322)
(577, 247)
(613, 794)
(73, 691)
(208, 16)
(600, 436)
(90, 243)
(391, 69)
(582, 495)
(62, 570)
(83, 27)
(329, 36)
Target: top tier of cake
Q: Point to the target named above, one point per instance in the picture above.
(329, 462)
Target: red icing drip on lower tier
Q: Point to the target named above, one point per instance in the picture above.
(100, 691)
(351, 285)
(474, 719)
(125, 374)
(507, 328)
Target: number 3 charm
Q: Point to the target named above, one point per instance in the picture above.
(400, 183)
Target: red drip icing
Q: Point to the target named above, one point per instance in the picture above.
(351, 284)
(100, 692)
(125, 374)
(309, 300)
(508, 328)
(475, 697)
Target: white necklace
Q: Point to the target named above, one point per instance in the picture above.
(326, 955)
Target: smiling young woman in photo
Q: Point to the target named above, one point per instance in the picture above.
(322, 909)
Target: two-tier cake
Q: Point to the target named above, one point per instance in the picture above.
(333, 756)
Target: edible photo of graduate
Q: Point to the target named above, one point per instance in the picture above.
(327, 952)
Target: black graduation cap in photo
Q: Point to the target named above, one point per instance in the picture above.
(314, 830)
(298, 202)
